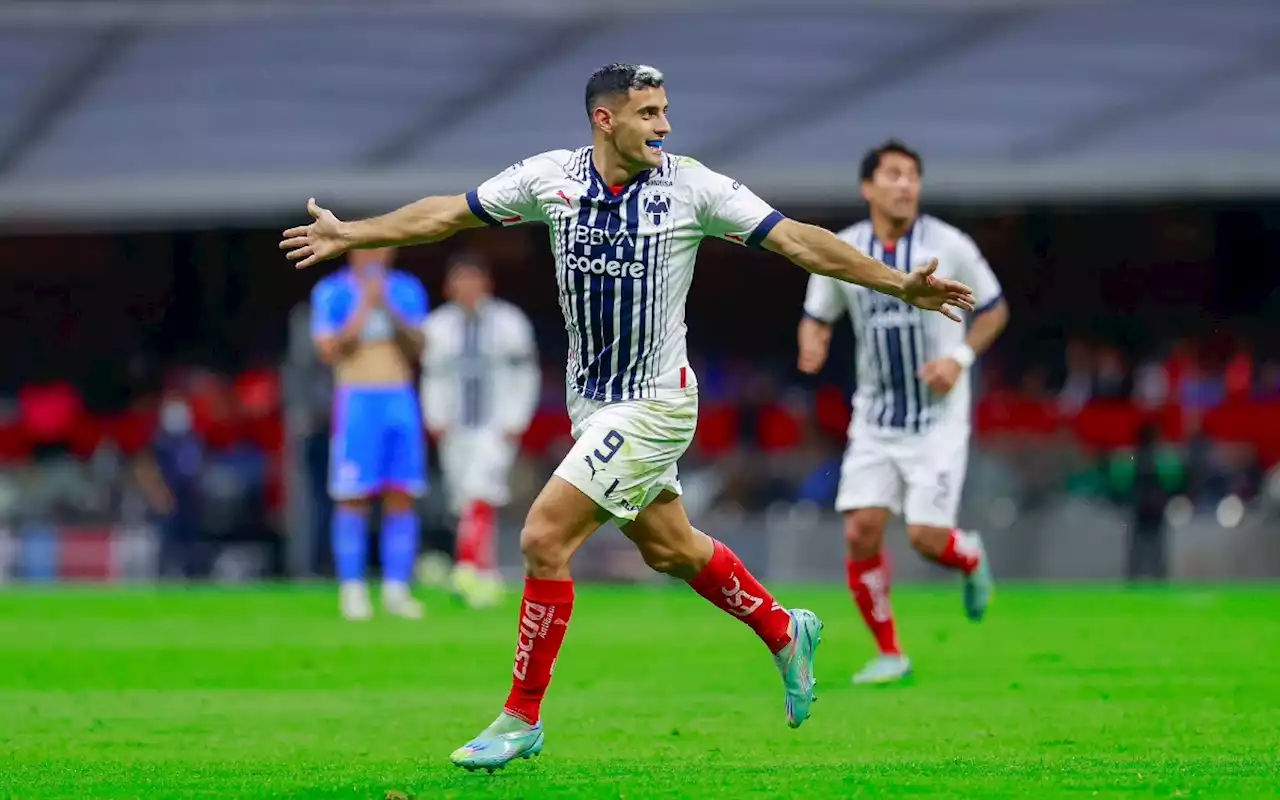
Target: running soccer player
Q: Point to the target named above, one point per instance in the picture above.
(480, 386)
(366, 322)
(909, 435)
(625, 221)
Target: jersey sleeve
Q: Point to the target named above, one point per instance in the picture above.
(824, 300)
(412, 301)
(324, 311)
(975, 271)
(728, 210)
(510, 197)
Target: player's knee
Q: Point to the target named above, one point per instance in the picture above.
(544, 549)
(927, 540)
(358, 506)
(397, 502)
(864, 533)
(665, 558)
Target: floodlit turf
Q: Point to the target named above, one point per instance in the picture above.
(1082, 692)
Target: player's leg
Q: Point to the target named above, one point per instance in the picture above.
(352, 481)
(558, 522)
(870, 492)
(481, 484)
(403, 473)
(671, 545)
(935, 482)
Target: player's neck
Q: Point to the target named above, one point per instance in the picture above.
(888, 229)
(613, 169)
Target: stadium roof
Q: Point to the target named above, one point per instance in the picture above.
(218, 109)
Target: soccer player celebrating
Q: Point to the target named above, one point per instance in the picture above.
(909, 435)
(625, 221)
(365, 321)
(480, 385)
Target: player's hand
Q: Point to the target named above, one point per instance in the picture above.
(941, 374)
(373, 291)
(320, 241)
(923, 289)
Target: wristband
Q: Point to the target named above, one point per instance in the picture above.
(964, 356)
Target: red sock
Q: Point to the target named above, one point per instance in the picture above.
(959, 553)
(544, 618)
(731, 588)
(869, 581)
(475, 536)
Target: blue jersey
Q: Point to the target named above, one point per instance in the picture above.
(377, 443)
(335, 299)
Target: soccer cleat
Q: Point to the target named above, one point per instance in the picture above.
(499, 744)
(979, 586)
(883, 670)
(398, 602)
(353, 599)
(795, 664)
(433, 570)
(477, 589)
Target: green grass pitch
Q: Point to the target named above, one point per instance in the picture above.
(220, 693)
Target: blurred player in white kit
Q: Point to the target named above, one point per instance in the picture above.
(480, 386)
(909, 436)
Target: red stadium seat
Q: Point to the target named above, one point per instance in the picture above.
(15, 445)
(831, 407)
(778, 429)
(1108, 425)
(717, 431)
(132, 430)
(545, 428)
(1247, 422)
(1016, 415)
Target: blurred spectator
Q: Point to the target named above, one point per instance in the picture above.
(1145, 480)
(169, 475)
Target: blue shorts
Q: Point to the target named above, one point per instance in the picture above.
(377, 443)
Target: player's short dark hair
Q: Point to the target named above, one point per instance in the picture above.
(871, 161)
(615, 79)
(467, 260)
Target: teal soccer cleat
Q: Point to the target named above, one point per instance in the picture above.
(979, 585)
(502, 742)
(795, 664)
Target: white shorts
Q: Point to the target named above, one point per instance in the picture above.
(625, 453)
(476, 463)
(919, 475)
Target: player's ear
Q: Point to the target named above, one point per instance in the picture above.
(866, 191)
(602, 118)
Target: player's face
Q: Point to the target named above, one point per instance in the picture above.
(467, 287)
(638, 127)
(894, 188)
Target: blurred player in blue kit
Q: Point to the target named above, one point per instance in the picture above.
(366, 323)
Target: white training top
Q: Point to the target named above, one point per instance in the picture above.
(896, 339)
(479, 370)
(624, 259)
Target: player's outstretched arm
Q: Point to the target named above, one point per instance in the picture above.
(428, 220)
(823, 253)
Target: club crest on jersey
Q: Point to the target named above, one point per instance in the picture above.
(657, 206)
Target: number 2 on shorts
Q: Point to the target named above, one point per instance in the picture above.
(612, 441)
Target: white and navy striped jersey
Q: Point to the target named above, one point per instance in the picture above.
(624, 259)
(895, 339)
(479, 370)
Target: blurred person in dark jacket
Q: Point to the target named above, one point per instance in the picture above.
(1145, 480)
(169, 476)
